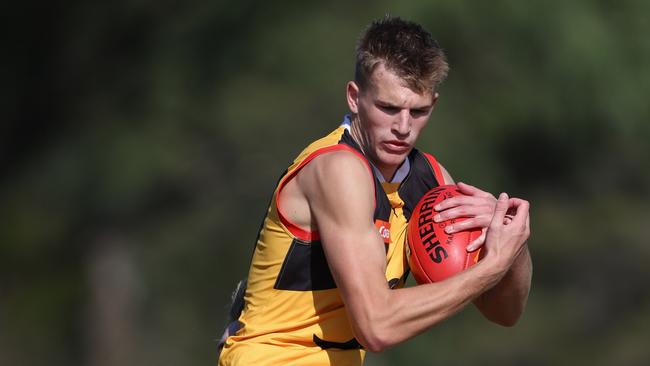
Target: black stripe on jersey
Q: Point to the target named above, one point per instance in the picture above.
(305, 268)
(395, 282)
(383, 209)
(351, 344)
(419, 181)
(259, 232)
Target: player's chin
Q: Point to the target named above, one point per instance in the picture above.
(393, 157)
(396, 155)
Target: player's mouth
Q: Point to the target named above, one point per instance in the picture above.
(396, 147)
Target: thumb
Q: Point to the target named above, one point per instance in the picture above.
(500, 210)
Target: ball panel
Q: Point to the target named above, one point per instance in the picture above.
(416, 269)
(434, 254)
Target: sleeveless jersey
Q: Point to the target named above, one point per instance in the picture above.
(293, 313)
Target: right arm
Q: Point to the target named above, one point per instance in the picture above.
(339, 190)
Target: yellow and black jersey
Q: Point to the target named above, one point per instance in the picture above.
(293, 313)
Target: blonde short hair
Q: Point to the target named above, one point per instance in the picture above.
(404, 48)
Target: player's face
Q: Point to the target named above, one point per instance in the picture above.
(389, 118)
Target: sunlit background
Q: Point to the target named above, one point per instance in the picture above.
(142, 141)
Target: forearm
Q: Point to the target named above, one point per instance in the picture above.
(405, 313)
(505, 302)
(382, 317)
(498, 285)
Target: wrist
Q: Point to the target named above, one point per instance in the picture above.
(492, 269)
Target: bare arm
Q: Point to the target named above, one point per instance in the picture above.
(504, 303)
(381, 317)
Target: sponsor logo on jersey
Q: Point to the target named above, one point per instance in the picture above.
(384, 230)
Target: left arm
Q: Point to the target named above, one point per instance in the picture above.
(505, 302)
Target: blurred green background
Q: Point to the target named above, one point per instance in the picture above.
(142, 140)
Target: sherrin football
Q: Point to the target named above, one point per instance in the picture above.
(433, 254)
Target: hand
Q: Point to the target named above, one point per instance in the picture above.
(506, 240)
(475, 205)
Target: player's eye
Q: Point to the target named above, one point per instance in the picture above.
(389, 109)
(419, 112)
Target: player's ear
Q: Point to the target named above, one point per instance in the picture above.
(436, 95)
(352, 95)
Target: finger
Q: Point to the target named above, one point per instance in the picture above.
(470, 190)
(478, 242)
(450, 202)
(521, 211)
(468, 224)
(514, 201)
(462, 212)
(528, 226)
(459, 201)
(500, 210)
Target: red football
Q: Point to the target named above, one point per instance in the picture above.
(434, 254)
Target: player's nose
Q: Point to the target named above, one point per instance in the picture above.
(402, 124)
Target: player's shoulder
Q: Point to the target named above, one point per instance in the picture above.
(336, 172)
(338, 180)
(343, 158)
(340, 164)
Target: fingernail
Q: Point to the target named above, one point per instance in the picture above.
(437, 207)
(473, 246)
(437, 218)
(449, 229)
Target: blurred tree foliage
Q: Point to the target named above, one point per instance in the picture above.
(142, 141)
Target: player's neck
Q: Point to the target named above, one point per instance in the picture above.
(358, 136)
(387, 172)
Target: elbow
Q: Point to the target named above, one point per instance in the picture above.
(503, 313)
(372, 342)
(507, 320)
(374, 336)
(374, 323)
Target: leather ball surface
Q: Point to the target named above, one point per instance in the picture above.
(435, 255)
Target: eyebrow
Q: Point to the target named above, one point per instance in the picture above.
(391, 105)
